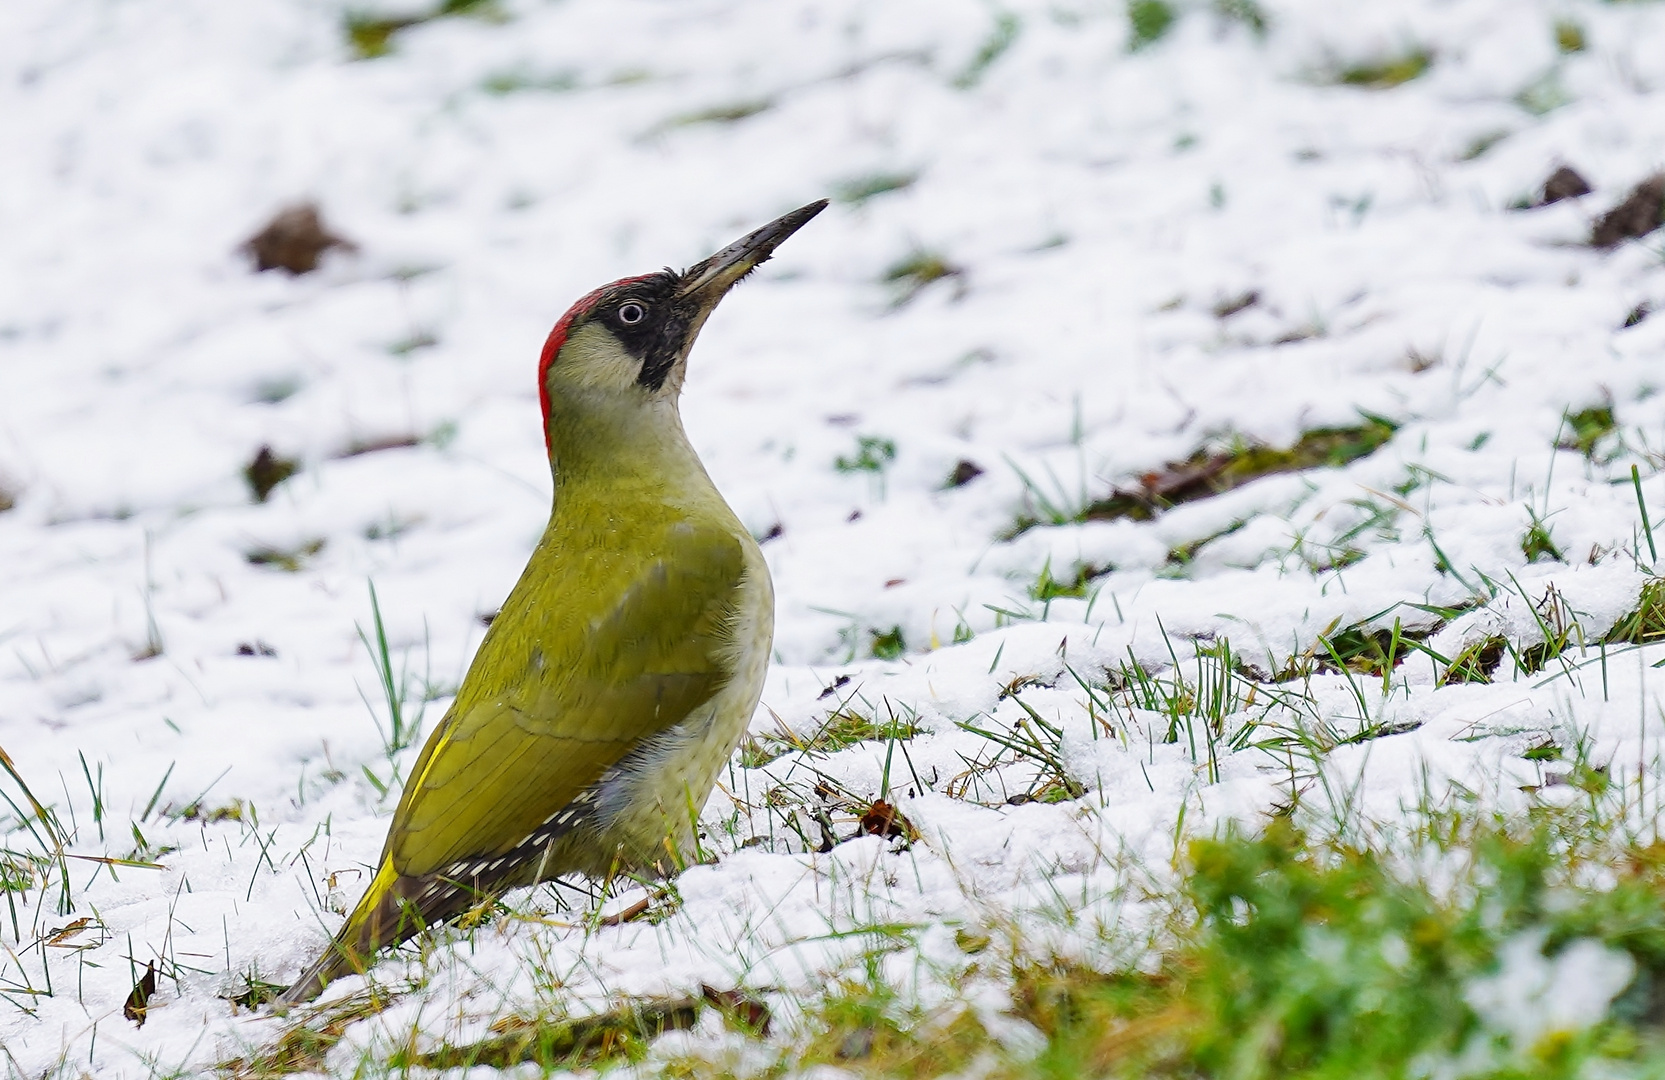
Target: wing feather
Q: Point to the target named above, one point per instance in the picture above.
(562, 691)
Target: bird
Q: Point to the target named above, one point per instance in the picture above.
(626, 663)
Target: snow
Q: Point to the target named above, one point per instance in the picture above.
(1100, 203)
(1532, 996)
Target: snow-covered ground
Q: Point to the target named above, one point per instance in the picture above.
(179, 704)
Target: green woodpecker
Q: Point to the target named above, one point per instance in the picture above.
(626, 663)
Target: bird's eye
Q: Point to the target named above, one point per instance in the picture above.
(631, 313)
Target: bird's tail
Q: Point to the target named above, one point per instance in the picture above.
(386, 915)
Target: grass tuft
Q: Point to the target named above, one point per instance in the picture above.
(1646, 622)
(1537, 543)
(1585, 430)
(1047, 588)
(1148, 22)
(1207, 473)
(913, 273)
(1319, 958)
(1386, 73)
(730, 113)
(1002, 36)
(887, 644)
(621, 1034)
(516, 81)
(304, 1046)
(842, 729)
(371, 36)
(1362, 648)
(858, 189)
(1569, 37)
(290, 560)
(873, 454)
(1477, 662)
(402, 729)
(1442, 946)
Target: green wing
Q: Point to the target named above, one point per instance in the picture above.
(568, 680)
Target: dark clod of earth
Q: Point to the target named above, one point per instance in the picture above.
(1641, 213)
(964, 473)
(267, 471)
(833, 687)
(294, 240)
(883, 819)
(1563, 183)
(138, 1002)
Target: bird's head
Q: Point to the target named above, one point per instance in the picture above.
(625, 345)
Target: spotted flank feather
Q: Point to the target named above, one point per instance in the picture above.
(397, 907)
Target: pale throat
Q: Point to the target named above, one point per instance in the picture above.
(606, 427)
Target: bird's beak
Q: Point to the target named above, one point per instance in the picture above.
(705, 283)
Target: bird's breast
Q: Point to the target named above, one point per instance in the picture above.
(651, 793)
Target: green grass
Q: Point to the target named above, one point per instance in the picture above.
(1586, 430)
(403, 728)
(621, 1034)
(1569, 37)
(727, 113)
(1002, 36)
(1477, 662)
(1544, 94)
(1309, 957)
(370, 36)
(1047, 588)
(303, 1045)
(843, 728)
(1387, 72)
(1208, 473)
(514, 81)
(1477, 148)
(1537, 543)
(1181, 555)
(1286, 949)
(1365, 648)
(1032, 741)
(887, 644)
(1148, 21)
(873, 454)
(858, 189)
(1645, 623)
(914, 272)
